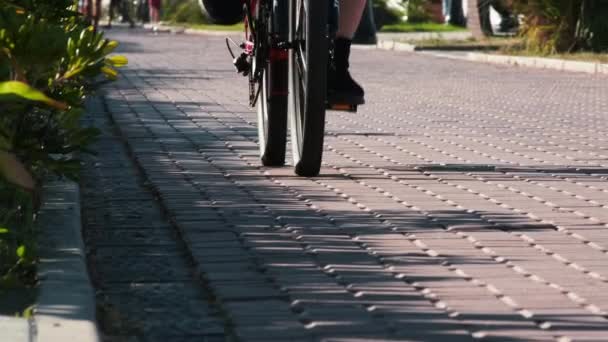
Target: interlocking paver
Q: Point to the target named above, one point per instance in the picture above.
(146, 289)
(465, 201)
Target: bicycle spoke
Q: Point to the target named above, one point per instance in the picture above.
(301, 65)
(301, 35)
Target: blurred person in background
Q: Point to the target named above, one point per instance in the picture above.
(91, 9)
(154, 11)
(123, 9)
(447, 10)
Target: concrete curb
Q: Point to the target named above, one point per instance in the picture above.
(395, 46)
(183, 30)
(65, 308)
(530, 62)
(414, 36)
(16, 329)
(65, 305)
(212, 33)
(542, 63)
(408, 47)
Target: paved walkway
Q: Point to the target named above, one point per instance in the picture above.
(464, 202)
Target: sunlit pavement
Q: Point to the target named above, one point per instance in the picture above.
(463, 202)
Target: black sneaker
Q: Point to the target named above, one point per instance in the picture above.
(341, 87)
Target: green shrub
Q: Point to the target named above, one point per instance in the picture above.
(169, 8)
(17, 247)
(417, 11)
(183, 11)
(558, 26)
(50, 60)
(387, 12)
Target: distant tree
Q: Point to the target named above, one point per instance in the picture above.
(564, 25)
(474, 19)
(592, 31)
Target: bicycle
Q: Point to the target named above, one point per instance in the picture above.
(285, 56)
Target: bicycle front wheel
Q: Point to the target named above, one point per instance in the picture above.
(307, 83)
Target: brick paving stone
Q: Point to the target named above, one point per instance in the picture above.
(449, 207)
(145, 286)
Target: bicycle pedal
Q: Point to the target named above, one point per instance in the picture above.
(343, 107)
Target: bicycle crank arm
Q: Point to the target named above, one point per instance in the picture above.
(343, 107)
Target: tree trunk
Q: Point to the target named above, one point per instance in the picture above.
(473, 20)
(566, 31)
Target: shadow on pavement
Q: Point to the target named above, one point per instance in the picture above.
(343, 273)
(318, 262)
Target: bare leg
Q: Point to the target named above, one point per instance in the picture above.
(350, 15)
(89, 11)
(153, 15)
(97, 15)
(111, 12)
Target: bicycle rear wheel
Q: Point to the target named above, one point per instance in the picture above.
(307, 83)
(272, 113)
(270, 71)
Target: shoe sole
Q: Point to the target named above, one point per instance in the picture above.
(337, 98)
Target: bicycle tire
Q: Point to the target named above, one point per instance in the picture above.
(223, 12)
(272, 97)
(272, 114)
(307, 83)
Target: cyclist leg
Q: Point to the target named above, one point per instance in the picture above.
(350, 16)
(125, 11)
(111, 10)
(341, 86)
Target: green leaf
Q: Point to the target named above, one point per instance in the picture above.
(29, 312)
(3, 230)
(21, 251)
(73, 72)
(117, 61)
(110, 73)
(5, 143)
(111, 46)
(25, 91)
(71, 47)
(15, 172)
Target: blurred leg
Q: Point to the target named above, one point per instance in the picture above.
(154, 10)
(447, 10)
(111, 12)
(125, 9)
(350, 15)
(89, 10)
(97, 14)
